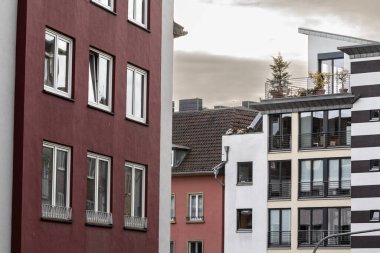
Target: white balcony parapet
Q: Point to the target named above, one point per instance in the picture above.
(56, 212)
(100, 218)
(135, 222)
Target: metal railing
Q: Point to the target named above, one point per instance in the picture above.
(307, 238)
(323, 189)
(195, 219)
(280, 142)
(303, 86)
(279, 238)
(279, 190)
(56, 212)
(325, 140)
(101, 218)
(135, 222)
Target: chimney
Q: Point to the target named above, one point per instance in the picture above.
(194, 104)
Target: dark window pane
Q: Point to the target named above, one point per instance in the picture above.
(61, 178)
(90, 202)
(128, 191)
(49, 60)
(102, 186)
(245, 219)
(244, 172)
(47, 175)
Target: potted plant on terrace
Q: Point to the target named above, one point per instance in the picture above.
(341, 78)
(278, 84)
(320, 79)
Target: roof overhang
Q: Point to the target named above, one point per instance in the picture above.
(362, 51)
(307, 103)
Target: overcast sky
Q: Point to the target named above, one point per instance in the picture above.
(224, 59)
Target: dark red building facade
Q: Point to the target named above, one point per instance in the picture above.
(86, 163)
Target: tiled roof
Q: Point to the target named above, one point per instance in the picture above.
(202, 132)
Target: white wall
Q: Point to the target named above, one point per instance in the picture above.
(8, 16)
(248, 147)
(166, 125)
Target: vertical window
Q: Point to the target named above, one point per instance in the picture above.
(108, 4)
(172, 208)
(171, 246)
(195, 207)
(98, 183)
(138, 12)
(57, 69)
(244, 220)
(56, 182)
(332, 67)
(134, 197)
(280, 128)
(195, 247)
(136, 94)
(100, 80)
(279, 227)
(279, 179)
(244, 171)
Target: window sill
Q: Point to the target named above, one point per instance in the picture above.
(374, 120)
(279, 247)
(57, 220)
(244, 231)
(99, 225)
(58, 95)
(103, 8)
(136, 121)
(135, 229)
(244, 184)
(139, 26)
(195, 221)
(100, 109)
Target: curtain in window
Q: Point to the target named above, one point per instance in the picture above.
(102, 186)
(90, 202)
(138, 193)
(63, 66)
(49, 60)
(130, 78)
(128, 191)
(61, 178)
(47, 175)
(305, 176)
(92, 87)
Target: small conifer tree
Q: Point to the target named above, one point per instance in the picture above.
(279, 81)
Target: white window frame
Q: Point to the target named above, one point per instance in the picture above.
(54, 89)
(110, 76)
(111, 8)
(145, 87)
(108, 160)
(132, 4)
(196, 246)
(196, 217)
(135, 167)
(55, 148)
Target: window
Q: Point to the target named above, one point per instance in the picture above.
(279, 227)
(375, 165)
(138, 12)
(136, 94)
(172, 208)
(374, 215)
(332, 66)
(244, 220)
(56, 181)
(98, 183)
(244, 171)
(316, 223)
(195, 207)
(171, 246)
(279, 179)
(195, 247)
(374, 115)
(280, 130)
(108, 4)
(100, 80)
(134, 197)
(58, 57)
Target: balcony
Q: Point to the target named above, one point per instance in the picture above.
(309, 238)
(98, 218)
(280, 142)
(325, 140)
(327, 189)
(137, 223)
(198, 219)
(56, 212)
(279, 238)
(300, 87)
(279, 191)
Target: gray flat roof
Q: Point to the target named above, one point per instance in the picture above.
(361, 49)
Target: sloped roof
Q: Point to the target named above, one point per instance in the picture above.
(202, 132)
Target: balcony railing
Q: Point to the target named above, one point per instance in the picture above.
(324, 189)
(279, 238)
(99, 218)
(303, 86)
(56, 212)
(195, 219)
(133, 222)
(325, 140)
(280, 142)
(279, 190)
(308, 238)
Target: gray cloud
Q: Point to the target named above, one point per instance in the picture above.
(223, 80)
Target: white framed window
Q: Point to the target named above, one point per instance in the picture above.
(172, 208)
(98, 183)
(138, 12)
(195, 247)
(56, 175)
(195, 207)
(100, 80)
(136, 94)
(134, 197)
(108, 4)
(58, 63)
